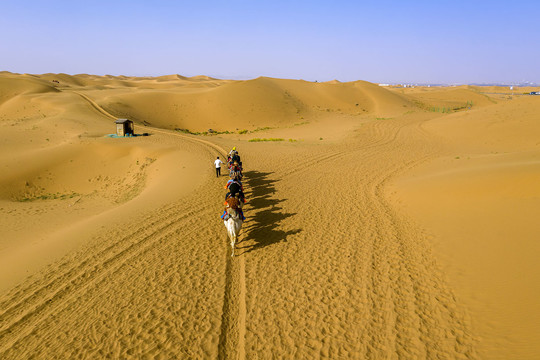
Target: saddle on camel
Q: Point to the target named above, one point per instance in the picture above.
(233, 206)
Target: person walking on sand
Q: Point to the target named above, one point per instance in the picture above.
(218, 164)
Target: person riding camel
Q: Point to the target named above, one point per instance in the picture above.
(237, 165)
(235, 179)
(235, 188)
(235, 158)
(236, 172)
(235, 204)
(236, 191)
(233, 151)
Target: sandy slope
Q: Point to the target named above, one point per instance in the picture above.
(481, 202)
(113, 247)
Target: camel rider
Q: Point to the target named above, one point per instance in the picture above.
(233, 151)
(235, 158)
(235, 187)
(234, 180)
(235, 190)
(225, 215)
(238, 166)
(235, 172)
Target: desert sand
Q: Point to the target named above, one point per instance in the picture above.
(386, 223)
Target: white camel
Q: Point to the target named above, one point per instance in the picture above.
(233, 221)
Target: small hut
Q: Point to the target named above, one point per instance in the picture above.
(124, 127)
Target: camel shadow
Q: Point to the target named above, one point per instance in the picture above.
(265, 213)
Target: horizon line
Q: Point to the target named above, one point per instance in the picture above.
(247, 78)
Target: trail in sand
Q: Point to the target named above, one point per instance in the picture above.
(363, 282)
(69, 288)
(233, 328)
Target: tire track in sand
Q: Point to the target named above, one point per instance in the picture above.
(233, 320)
(234, 312)
(21, 318)
(16, 310)
(233, 324)
(372, 289)
(242, 312)
(102, 111)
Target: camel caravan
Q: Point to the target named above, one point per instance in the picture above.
(233, 216)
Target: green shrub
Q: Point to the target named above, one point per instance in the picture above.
(262, 128)
(265, 139)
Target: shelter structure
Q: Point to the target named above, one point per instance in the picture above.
(124, 127)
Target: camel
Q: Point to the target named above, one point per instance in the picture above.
(234, 220)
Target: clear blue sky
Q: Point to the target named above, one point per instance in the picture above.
(381, 41)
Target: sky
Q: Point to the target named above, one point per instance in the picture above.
(384, 41)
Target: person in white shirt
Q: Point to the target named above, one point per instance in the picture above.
(218, 164)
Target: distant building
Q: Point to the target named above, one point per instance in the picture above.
(124, 127)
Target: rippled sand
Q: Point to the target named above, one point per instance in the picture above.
(387, 223)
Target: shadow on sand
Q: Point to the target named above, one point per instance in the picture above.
(264, 216)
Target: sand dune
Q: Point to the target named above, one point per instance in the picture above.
(386, 228)
(447, 99)
(509, 126)
(252, 104)
(200, 103)
(480, 201)
(13, 86)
